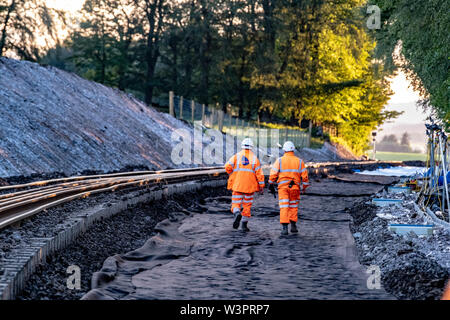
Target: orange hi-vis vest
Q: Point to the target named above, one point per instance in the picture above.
(245, 172)
(289, 168)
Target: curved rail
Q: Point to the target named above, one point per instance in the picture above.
(28, 199)
(17, 206)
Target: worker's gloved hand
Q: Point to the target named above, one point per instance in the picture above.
(272, 190)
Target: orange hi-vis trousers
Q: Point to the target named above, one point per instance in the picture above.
(244, 200)
(289, 199)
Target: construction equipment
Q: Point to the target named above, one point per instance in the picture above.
(434, 194)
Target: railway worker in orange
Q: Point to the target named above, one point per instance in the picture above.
(245, 178)
(292, 177)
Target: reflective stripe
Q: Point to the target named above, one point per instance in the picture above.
(289, 170)
(302, 170)
(248, 201)
(261, 182)
(283, 200)
(237, 196)
(253, 163)
(270, 181)
(249, 197)
(236, 201)
(259, 167)
(244, 169)
(291, 206)
(284, 206)
(286, 181)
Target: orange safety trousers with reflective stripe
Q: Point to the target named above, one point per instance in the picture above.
(288, 200)
(289, 170)
(242, 201)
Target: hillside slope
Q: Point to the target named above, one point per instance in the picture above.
(53, 120)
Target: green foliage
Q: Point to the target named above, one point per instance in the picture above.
(288, 60)
(420, 29)
(22, 23)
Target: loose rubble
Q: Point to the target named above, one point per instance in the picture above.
(412, 266)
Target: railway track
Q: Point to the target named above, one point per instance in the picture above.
(18, 202)
(26, 200)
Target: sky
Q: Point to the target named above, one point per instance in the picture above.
(412, 120)
(404, 98)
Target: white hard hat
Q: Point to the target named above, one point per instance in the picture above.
(288, 146)
(247, 143)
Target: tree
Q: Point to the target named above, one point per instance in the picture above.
(104, 46)
(22, 22)
(154, 12)
(406, 140)
(281, 60)
(419, 30)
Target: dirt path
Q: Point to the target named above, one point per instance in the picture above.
(202, 257)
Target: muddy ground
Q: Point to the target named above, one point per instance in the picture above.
(184, 247)
(202, 257)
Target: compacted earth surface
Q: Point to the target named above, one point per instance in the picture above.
(201, 256)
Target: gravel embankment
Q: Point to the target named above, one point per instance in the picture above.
(412, 267)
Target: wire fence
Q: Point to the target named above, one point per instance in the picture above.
(215, 118)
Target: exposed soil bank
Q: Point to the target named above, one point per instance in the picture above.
(121, 233)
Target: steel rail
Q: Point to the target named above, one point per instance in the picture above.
(17, 209)
(45, 194)
(111, 175)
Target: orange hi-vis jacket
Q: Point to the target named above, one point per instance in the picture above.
(245, 173)
(288, 168)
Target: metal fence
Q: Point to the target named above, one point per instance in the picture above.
(215, 118)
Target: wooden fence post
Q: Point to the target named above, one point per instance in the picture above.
(181, 107)
(171, 109)
(203, 114)
(309, 133)
(221, 120)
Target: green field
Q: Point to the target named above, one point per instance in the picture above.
(395, 156)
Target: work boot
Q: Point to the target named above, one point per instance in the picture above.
(237, 220)
(294, 227)
(244, 226)
(284, 232)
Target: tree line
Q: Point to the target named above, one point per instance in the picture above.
(290, 60)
